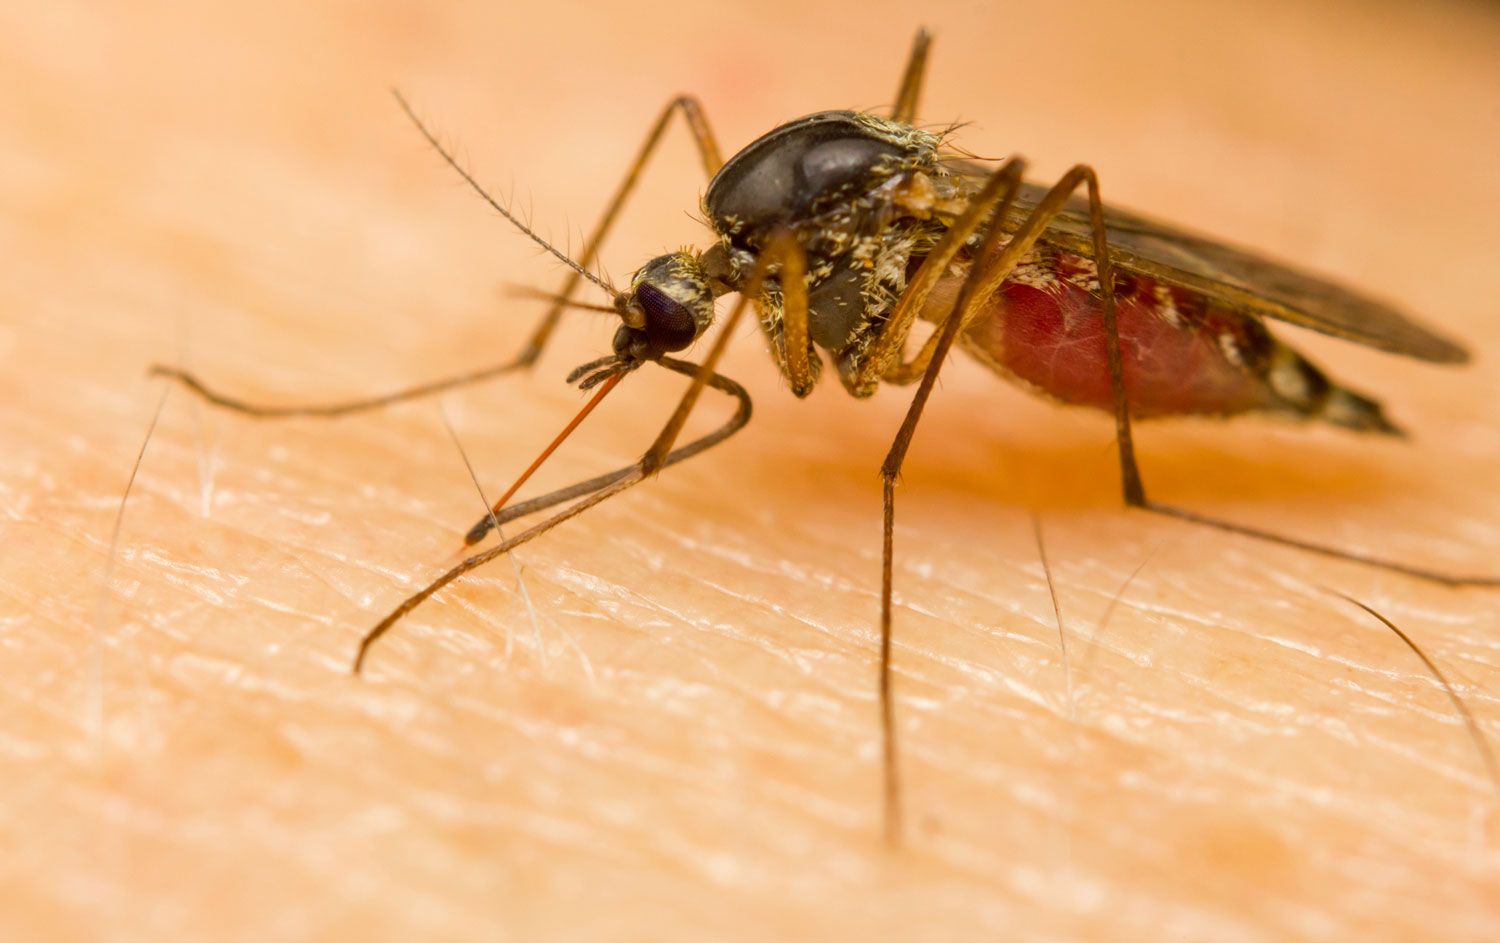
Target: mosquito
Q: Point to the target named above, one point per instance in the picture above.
(843, 229)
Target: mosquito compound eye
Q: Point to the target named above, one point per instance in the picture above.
(669, 325)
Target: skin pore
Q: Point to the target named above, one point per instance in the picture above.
(1236, 754)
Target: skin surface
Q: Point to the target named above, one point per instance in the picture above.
(690, 753)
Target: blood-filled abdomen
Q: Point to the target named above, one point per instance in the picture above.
(1182, 353)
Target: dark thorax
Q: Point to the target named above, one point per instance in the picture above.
(864, 196)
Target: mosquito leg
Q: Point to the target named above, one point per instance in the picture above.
(1130, 473)
(331, 410)
(708, 152)
(593, 492)
(780, 247)
(993, 264)
(787, 329)
(910, 91)
(480, 559)
(884, 353)
(783, 252)
(1000, 190)
(682, 453)
(1421, 573)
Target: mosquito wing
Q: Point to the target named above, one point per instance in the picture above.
(1239, 279)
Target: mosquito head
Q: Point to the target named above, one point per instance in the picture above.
(669, 303)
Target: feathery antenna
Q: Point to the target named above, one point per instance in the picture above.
(496, 204)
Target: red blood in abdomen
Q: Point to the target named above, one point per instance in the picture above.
(1054, 340)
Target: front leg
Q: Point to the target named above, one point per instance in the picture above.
(661, 453)
(782, 311)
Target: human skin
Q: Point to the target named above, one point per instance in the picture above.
(692, 750)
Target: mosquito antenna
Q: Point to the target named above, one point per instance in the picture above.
(1486, 755)
(496, 204)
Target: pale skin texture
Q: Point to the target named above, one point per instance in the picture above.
(183, 754)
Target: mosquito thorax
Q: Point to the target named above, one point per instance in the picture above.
(668, 305)
(855, 190)
(810, 169)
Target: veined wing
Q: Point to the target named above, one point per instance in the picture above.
(1240, 279)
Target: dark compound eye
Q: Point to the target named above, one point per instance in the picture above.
(669, 325)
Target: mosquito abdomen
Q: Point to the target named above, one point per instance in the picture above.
(1182, 355)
